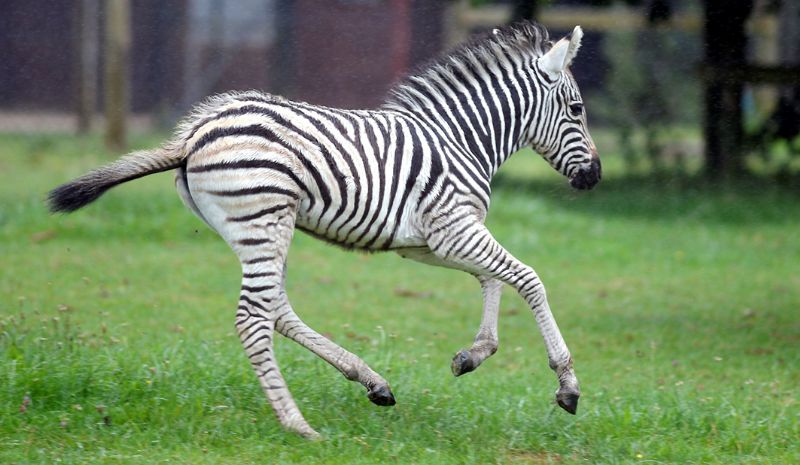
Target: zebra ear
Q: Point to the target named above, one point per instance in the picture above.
(574, 44)
(559, 57)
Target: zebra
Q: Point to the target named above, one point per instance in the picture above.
(412, 176)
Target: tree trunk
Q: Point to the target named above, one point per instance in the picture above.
(524, 10)
(87, 36)
(787, 115)
(117, 51)
(205, 58)
(281, 66)
(400, 37)
(725, 42)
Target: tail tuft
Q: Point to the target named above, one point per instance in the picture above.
(87, 188)
(73, 195)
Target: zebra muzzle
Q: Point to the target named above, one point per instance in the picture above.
(586, 178)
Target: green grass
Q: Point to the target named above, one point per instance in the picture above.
(680, 303)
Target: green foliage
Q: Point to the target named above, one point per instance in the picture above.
(775, 158)
(680, 302)
(651, 89)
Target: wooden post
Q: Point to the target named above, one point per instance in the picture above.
(725, 42)
(281, 66)
(400, 37)
(787, 115)
(87, 35)
(117, 50)
(203, 67)
(524, 9)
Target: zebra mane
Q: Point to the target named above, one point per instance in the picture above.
(521, 39)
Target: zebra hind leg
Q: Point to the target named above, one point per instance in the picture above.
(350, 365)
(262, 246)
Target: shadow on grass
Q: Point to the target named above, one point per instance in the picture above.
(668, 198)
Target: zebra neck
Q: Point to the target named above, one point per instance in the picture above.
(480, 114)
(491, 129)
(503, 102)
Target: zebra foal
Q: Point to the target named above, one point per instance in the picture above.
(412, 176)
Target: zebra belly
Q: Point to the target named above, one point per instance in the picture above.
(366, 230)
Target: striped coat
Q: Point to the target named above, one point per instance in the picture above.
(413, 176)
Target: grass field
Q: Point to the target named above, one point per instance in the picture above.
(680, 303)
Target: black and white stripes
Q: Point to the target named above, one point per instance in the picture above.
(413, 176)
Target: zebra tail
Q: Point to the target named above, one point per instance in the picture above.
(87, 188)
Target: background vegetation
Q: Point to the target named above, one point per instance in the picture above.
(680, 301)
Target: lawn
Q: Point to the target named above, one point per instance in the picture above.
(680, 303)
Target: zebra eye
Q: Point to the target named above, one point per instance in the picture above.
(576, 108)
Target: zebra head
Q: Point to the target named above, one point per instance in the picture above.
(561, 135)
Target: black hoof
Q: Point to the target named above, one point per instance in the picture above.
(381, 395)
(568, 401)
(462, 363)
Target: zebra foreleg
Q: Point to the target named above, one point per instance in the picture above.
(485, 343)
(476, 251)
(350, 365)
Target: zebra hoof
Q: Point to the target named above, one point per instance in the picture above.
(381, 395)
(462, 363)
(568, 400)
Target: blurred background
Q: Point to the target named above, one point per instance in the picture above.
(673, 86)
(676, 281)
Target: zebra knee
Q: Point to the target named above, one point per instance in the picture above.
(533, 291)
(486, 341)
(490, 346)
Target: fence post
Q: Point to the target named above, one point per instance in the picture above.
(725, 43)
(117, 51)
(87, 35)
